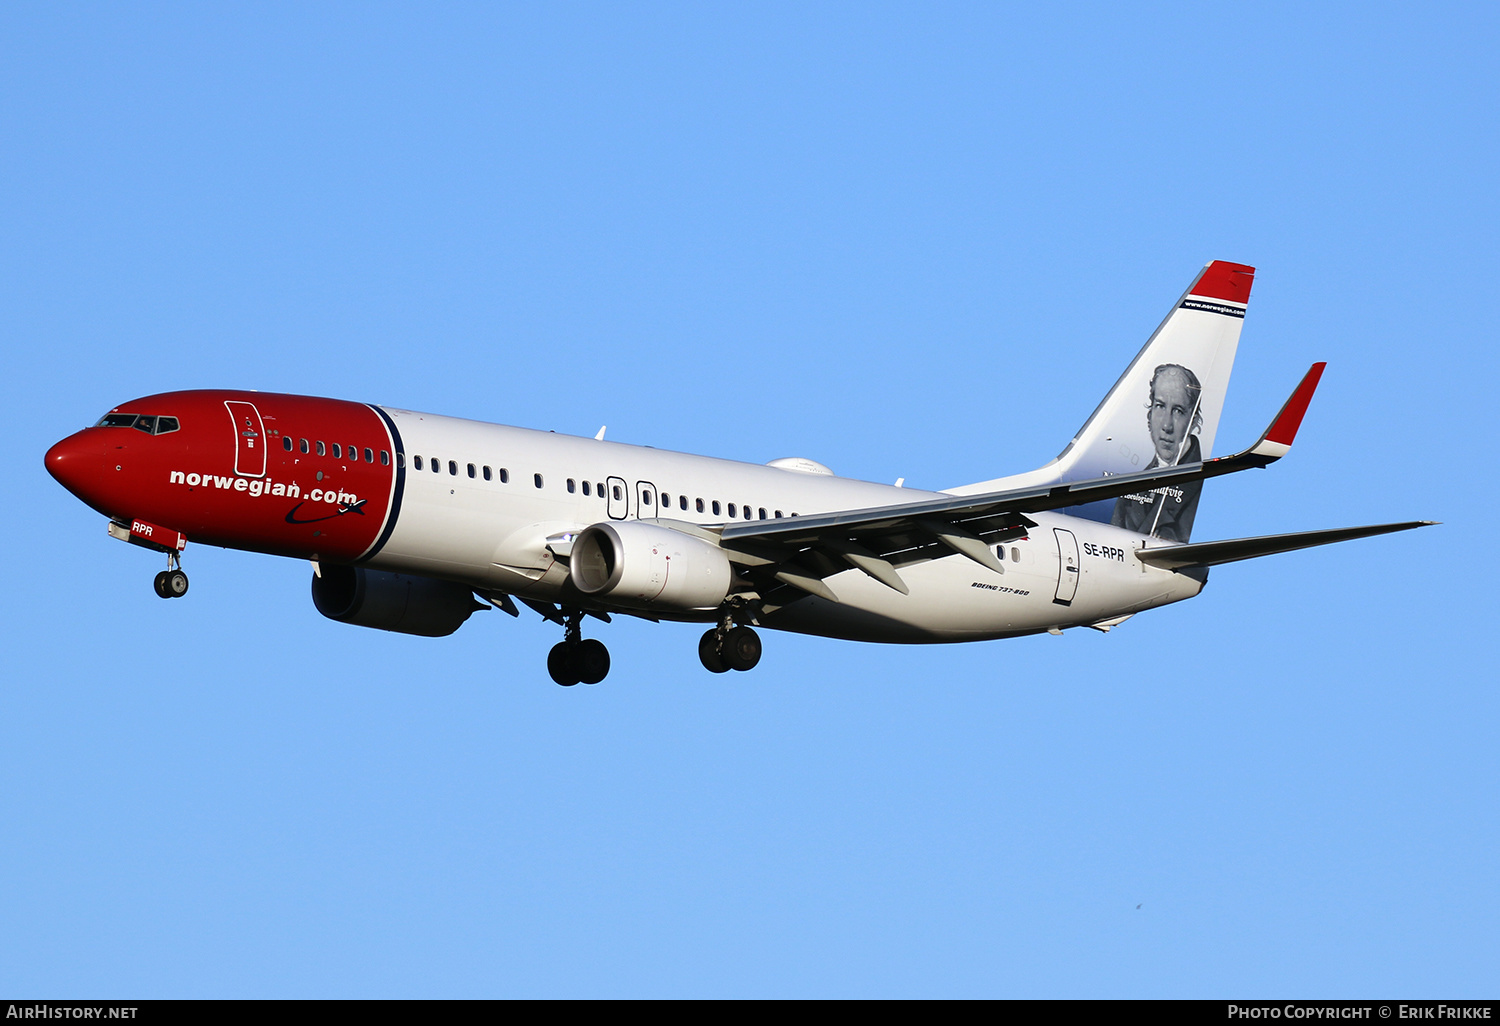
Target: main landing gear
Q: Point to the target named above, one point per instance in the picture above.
(171, 582)
(726, 647)
(577, 660)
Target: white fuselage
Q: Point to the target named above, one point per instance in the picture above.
(493, 534)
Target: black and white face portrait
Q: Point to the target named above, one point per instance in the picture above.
(1172, 414)
(1174, 420)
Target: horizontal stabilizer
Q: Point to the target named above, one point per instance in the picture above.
(1177, 557)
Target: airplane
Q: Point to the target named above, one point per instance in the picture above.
(414, 521)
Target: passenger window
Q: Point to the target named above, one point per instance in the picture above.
(778, 514)
(682, 502)
(747, 512)
(699, 504)
(536, 479)
(716, 507)
(369, 455)
(616, 490)
(146, 424)
(731, 510)
(763, 512)
(416, 461)
(286, 442)
(322, 449)
(471, 470)
(165, 425)
(571, 486)
(338, 451)
(599, 489)
(1015, 555)
(453, 468)
(585, 488)
(504, 476)
(666, 499)
(353, 454)
(487, 474)
(437, 465)
(304, 446)
(646, 498)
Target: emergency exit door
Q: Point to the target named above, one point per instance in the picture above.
(1067, 567)
(645, 500)
(619, 499)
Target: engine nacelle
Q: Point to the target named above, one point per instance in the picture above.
(392, 602)
(643, 564)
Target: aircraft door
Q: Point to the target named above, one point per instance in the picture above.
(1067, 567)
(645, 500)
(249, 439)
(619, 498)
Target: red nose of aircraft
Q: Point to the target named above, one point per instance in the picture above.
(77, 462)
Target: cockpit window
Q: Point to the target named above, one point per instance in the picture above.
(149, 423)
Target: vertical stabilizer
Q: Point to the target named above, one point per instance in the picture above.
(1164, 410)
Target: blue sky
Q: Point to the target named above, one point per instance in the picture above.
(912, 241)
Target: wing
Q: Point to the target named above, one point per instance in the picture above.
(800, 552)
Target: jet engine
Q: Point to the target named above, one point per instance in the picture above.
(644, 564)
(392, 602)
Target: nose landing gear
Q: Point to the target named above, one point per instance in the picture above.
(171, 582)
(727, 648)
(577, 660)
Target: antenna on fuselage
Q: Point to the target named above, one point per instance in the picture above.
(600, 436)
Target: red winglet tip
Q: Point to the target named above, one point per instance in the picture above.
(1223, 280)
(1284, 429)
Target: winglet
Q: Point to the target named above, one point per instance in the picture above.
(1277, 441)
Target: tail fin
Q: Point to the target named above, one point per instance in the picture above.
(1164, 410)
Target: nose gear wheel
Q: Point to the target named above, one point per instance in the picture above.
(171, 582)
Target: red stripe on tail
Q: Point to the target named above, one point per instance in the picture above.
(1223, 280)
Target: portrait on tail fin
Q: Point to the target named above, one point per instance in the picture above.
(1174, 420)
